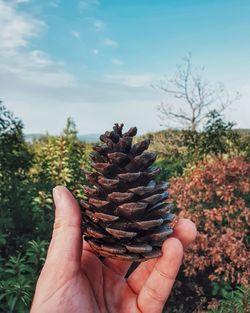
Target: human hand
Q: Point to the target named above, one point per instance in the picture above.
(75, 280)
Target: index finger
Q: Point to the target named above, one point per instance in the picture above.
(157, 287)
(185, 231)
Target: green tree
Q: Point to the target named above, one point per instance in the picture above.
(15, 161)
(216, 139)
(70, 130)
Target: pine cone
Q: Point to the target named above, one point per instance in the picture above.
(125, 215)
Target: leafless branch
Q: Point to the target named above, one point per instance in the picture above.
(193, 96)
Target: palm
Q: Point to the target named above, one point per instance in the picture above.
(75, 280)
(108, 286)
(102, 286)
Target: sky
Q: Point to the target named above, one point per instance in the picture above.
(97, 60)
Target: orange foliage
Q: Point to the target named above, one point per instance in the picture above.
(212, 195)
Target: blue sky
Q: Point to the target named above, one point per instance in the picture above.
(95, 60)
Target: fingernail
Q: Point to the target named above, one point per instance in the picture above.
(56, 196)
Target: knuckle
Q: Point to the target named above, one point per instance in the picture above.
(57, 223)
(165, 274)
(155, 295)
(59, 226)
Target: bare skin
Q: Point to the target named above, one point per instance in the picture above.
(74, 280)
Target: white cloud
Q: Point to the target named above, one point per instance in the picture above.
(95, 51)
(17, 60)
(16, 29)
(110, 42)
(143, 80)
(117, 62)
(99, 25)
(75, 34)
(35, 68)
(85, 4)
(54, 3)
(40, 58)
(21, 1)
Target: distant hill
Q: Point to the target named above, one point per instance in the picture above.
(89, 138)
(30, 137)
(93, 138)
(243, 131)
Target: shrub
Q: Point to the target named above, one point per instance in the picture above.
(172, 153)
(170, 168)
(18, 275)
(237, 301)
(212, 195)
(28, 172)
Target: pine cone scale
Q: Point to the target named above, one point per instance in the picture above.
(125, 215)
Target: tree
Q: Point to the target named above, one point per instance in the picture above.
(15, 161)
(194, 97)
(216, 139)
(8, 123)
(70, 130)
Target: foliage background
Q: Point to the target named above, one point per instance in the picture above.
(209, 172)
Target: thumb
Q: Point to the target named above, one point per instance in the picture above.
(66, 242)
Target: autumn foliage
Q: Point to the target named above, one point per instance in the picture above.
(214, 195)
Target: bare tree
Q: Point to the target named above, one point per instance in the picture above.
(193, 97)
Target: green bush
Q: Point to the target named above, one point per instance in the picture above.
(237, 301)
(28, 172)
(18, 274)
(170, 168)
